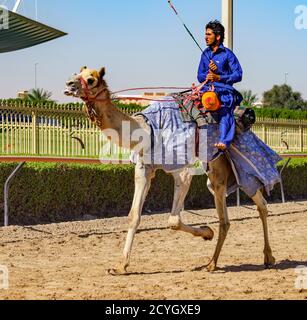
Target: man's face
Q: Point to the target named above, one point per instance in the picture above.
(211, 38)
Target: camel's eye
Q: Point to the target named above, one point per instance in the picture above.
(90, 81)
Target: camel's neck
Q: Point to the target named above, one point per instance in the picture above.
(110, 119)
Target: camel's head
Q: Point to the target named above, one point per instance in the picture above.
(87, 84)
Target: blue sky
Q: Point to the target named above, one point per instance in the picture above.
(141, 43)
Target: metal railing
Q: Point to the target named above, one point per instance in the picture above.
(50, 132)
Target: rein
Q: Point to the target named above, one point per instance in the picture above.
(91, 100)
(152, 88)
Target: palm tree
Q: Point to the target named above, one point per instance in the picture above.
(39, 95)
(248, 98)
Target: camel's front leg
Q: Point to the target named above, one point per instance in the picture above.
(218, 175)
(182, 184)
(259, 200)
(143, 176)
(220, 203)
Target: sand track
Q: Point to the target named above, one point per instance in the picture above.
(69, 260)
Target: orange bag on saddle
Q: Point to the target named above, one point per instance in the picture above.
(210, 101)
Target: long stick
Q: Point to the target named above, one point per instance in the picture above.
(187, 29)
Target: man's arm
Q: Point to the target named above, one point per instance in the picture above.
(203, 68)
(236, 71)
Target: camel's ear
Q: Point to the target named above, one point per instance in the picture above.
(83, 68)
(102, 73)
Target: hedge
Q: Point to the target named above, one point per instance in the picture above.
(274, 113)
(277, 113)
(46, 193)
(52, 105)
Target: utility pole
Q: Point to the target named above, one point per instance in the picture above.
(35, 75)
(36, 11)
(286, 77)
(16, 6)
(227, 21)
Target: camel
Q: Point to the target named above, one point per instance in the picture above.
(90, 86)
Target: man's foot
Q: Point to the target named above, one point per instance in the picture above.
(221, 146)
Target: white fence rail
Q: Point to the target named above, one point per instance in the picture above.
(26, 131)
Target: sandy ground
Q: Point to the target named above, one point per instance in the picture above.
(69, 260)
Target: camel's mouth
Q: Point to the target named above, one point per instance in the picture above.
(71, 91)
(85, 85)
(73, 87)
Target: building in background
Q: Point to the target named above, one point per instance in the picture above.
(147, 96)
(22, 94)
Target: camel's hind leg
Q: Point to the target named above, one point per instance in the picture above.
(143, 177)
(261, 203)
(183, 181)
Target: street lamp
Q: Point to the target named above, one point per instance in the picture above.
(36, 14)
(227, 21)
(286, 77)
(35, 75)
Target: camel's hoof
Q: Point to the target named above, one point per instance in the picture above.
(116, 272)
(208, 234)
(211, 266)
(269, 262)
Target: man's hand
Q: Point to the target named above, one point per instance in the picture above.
(212, 77)
(212, 66)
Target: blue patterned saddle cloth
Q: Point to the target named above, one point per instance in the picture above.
(174, 145)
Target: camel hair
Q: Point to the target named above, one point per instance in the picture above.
(90, 86)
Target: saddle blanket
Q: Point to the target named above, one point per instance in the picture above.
(174, 146)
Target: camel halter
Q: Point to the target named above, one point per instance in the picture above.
(87, 92)
(90, 100)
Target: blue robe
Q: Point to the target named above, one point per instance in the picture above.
(230, 71)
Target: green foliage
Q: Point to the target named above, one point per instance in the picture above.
(294, 179)
(129, 108)
(274, 113)
(39, 95)
(24, 104)
(55, 192)
(248, 98)
(284, 97)
(27, 104)
(44, 193)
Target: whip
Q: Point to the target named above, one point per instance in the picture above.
(187, 29)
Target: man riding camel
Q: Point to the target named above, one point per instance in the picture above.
(220, 67)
